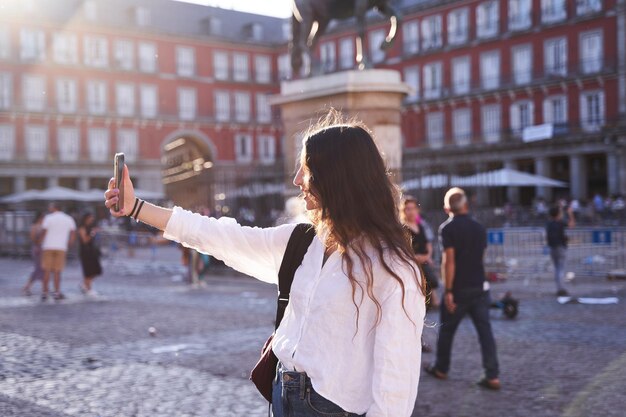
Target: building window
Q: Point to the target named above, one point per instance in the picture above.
(553, 11)
(267, 149)
(346, 52)
(241, 67)
(434, 129)
(142, 16)
(187, 103)
(522, 64)
(220, 65)
(98, 141)
(487, 19)
(185, 61)
(242, 106)
(96, 51)
(588, 6)
(431, 33)
(432, 79)
(149, 96)
(412, 78)
(522, 116)
(462, 126)
(263, 108)
(5, 43)
(36, 143)
(34, 92)
(284, 67)
(411, 37)
(376, 39)
(222, 106)
(33, 45)
(127, 142)
(90, 10)
(490, 69)
(461, 75)
(458, 21)
(67, 96)
(328, 56)
(147, 57)
(65, 48)
(555, 110)
(555, 56)
(262, 69)
(7, 142)
(124, 54)
(125, 99)
(69, 144)
(519, 14)
(491, 120)
(591, 52)
(6, 90)
(97, 97)
(243, 148)
(592, 111)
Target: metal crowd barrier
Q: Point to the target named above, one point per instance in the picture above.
(523, 253)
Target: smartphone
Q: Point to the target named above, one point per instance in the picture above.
(118, 173)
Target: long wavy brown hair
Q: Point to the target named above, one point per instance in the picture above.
(357, 202)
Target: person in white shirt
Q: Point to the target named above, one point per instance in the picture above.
(59, 231)
(347, 343)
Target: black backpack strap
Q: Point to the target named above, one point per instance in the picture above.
(299, 242)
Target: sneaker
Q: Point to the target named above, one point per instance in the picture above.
(82, 289)
(44, 297)
(91, 294)
(59, 296)
(562, 293)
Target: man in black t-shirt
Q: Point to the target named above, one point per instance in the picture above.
(463, 242)
(557, 242)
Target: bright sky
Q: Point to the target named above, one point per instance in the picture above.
(278, 8)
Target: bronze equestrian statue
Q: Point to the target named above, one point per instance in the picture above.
(311, 18)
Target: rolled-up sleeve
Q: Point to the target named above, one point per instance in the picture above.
(254, 251)
(397, 354)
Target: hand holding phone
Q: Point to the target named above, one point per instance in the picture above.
(118, 174)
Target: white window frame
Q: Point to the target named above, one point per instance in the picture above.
(520, 14)
(68, 139)
(461, 75)
(66, 95)
(263, 108)
(516, 115)
(587, 122)
(97, 92)
(221, 68)
(37, 142)
(143, 16)
(522, 63)
(5, 43)
(462, 126)
(32, 44)
(376, 38)
(266, 146)
(96, 51)
(244, 153)
(149, 100)
(65, 48)
(187, 103)
(147, 57)
(90, 10)
(491, 122)
(553, 11)
(548, 110)
(435, 129)
(6, 90)
(222, 106)
(7, 142)
(34, 97)
(328, 56)
(411, 37)
(411, 75)
(284, 67)
(432, 80)
(262, 69)
(242, 106)
(588, 6)
(487, 19)
(128, 143)
(490, 72)
(185, 61)
(98, 144)
(125, 101)
(458, 26)
(591, 65)
(432, 36)
(346, 53)
(555, 56)
(124, 54)
(241, 67)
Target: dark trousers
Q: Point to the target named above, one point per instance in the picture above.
(476, 304)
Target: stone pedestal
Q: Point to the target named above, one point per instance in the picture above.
(372, 96)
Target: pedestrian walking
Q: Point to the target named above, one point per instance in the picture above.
(59, 232)
(557, 242)
(36, 233)
(89, 254)
(463, 242)
(346, 344)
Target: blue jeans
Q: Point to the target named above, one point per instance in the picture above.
(476, 303)
(557, 253)
(293, 396)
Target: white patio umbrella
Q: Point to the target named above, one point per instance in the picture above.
(429, 181)
(507, 178)
(49, 194)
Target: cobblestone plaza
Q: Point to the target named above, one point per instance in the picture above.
(97, 358)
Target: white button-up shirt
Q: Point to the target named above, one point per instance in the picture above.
(373, 369)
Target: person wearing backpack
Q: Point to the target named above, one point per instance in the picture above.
(557, 242)
(346, 343)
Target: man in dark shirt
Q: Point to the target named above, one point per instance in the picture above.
(463, 242)
(557, 242)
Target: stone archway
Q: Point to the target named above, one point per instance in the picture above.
(187, 165)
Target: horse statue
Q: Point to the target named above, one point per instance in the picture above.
(311, 18)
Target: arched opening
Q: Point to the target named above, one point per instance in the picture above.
(187, 165)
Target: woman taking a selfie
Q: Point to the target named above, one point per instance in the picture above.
(346, 345)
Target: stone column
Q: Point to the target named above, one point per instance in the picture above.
(512, 193)
(578, 176)
(53, 182)
(19, 184)
(83, 183)
(621, 156)
(542, 167)
(482, 192)
(612, 173)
